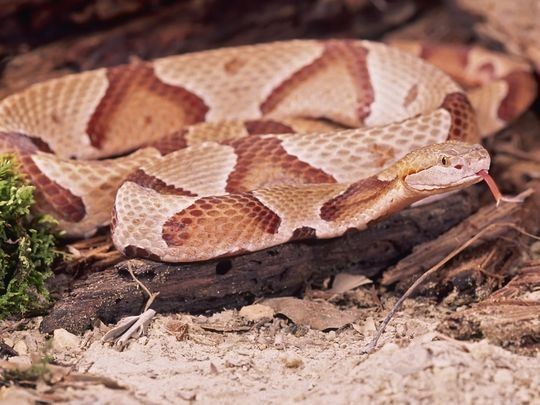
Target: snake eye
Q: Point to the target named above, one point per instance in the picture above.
(445, 161)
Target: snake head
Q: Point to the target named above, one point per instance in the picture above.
(443, 167)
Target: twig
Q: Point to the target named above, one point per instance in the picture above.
(132, 325)
(151, 296)
(371, 346)
(485, 263)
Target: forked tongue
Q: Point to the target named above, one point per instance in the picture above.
(491, 184)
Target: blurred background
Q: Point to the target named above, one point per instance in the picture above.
(40, 39)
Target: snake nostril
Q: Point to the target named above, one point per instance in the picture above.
(459, 167)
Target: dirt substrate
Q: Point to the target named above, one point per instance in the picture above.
(228, 359)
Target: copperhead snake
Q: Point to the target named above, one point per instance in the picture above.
(234, 150)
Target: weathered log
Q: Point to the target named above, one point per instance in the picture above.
(509, 317)
(428, 254)
(233, 282)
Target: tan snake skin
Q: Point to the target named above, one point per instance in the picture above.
(239, 149)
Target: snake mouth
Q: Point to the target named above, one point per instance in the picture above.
(481, 175)
(475, 178)
(467, 180)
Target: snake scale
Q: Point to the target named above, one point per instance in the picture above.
(234, 150)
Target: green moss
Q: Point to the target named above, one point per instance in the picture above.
(26, 245)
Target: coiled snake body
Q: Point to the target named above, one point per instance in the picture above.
(233, 150)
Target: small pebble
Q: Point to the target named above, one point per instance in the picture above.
(293, 362)
(256, 312)
(22, 362)
(63, 340)
(503, 377)
(21, 348)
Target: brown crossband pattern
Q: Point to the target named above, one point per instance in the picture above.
(348, 53)
(263, 162)
(145, 180)
(353, 199)
(220, 220)
(464, 126)
(138, 103)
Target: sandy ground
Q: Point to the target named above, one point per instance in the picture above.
(228, 360)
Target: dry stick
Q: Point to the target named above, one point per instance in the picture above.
(371, 346)
(151, 296)
(140, 321)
